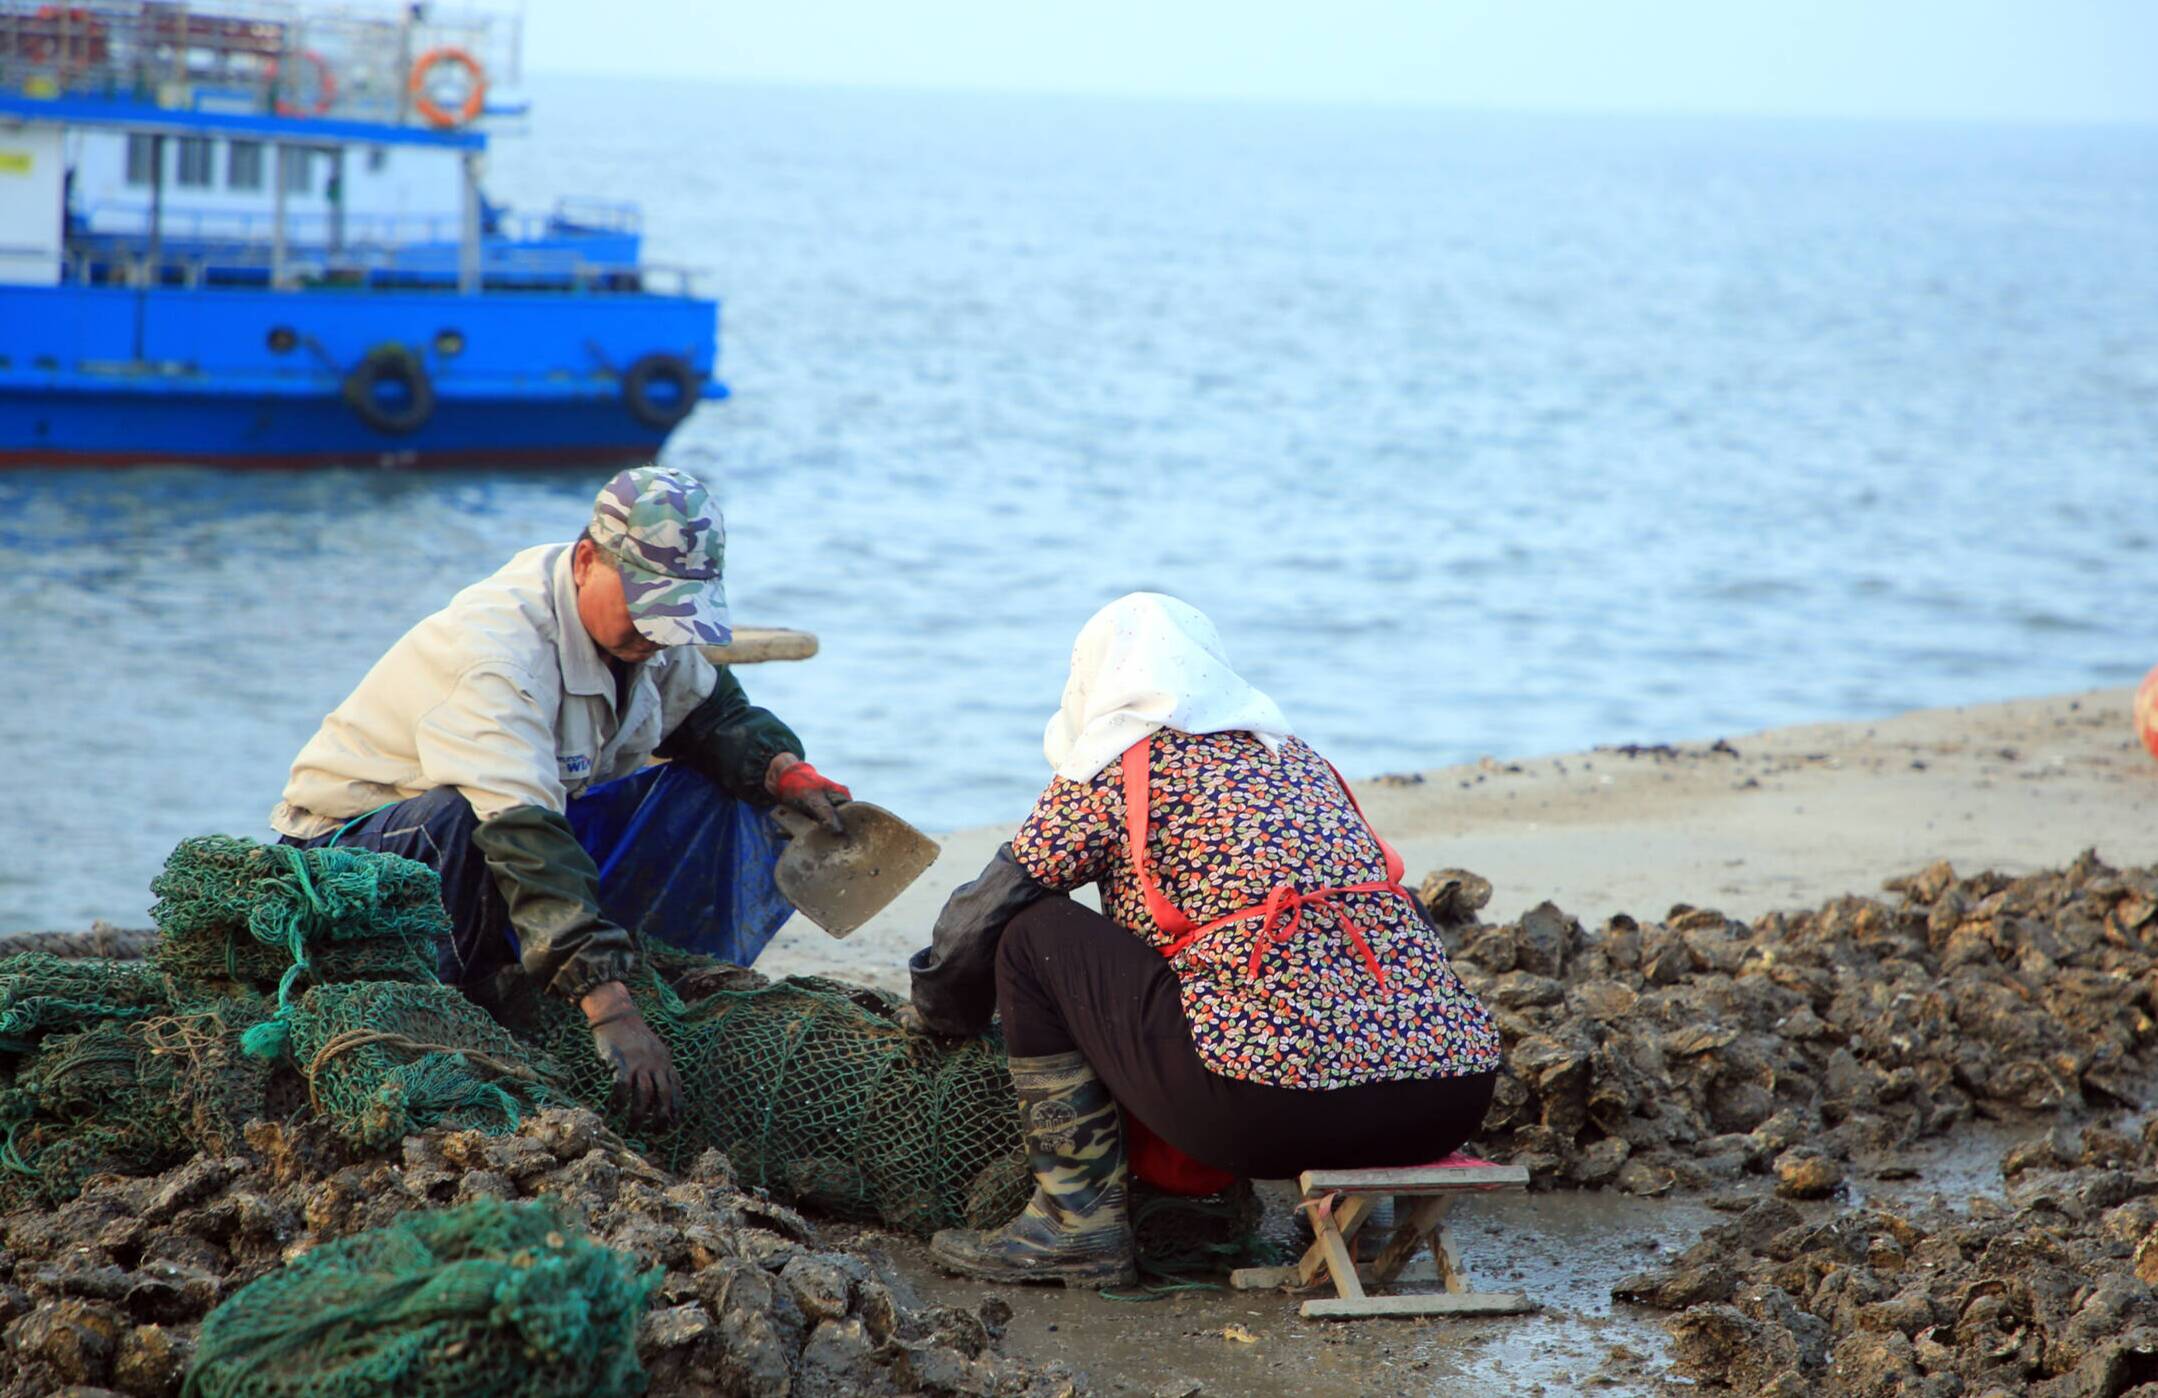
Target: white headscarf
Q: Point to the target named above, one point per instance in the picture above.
(1143, 663)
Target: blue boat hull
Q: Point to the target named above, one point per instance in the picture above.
(119, 376)
(285, 432)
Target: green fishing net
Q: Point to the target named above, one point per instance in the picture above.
(382, 1060)
(814, 1093)
(323, 960)
(236, 914)
(42, 994)
(134, 1066)
(488, 1300)
(212, 1086)
(128, 1096)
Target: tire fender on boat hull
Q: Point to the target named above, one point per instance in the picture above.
(637, 383)
(390, 364)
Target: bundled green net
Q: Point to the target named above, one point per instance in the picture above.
(489, 1300)
(128, 1096)
(42, 994)
(383, 1060)
(213, 1087)
(78, 1108)
(134, 1066)
(816, 1094)
(323, 960)
(235, 914)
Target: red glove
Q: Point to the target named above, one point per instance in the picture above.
(803, 788)
(799, 780)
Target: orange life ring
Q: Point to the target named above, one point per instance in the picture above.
(2146, 711)
(434, 112)
(325, 87)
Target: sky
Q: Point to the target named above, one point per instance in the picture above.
(1984, 60)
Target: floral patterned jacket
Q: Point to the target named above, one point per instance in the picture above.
(1229, 822)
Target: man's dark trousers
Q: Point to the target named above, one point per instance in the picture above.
(679, 860)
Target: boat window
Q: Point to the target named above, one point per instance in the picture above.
(194, 161)
(243, 165)
(378, 159)
(141, 158)
(299, 170)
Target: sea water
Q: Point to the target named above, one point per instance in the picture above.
(1475, 433)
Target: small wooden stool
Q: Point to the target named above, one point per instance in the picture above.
(1340, 1201)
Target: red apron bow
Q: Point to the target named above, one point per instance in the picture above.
(1283, 910)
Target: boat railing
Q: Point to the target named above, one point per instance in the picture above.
(119, 219)
(361, 268)
(354, 61)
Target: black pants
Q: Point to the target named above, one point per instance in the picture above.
(1068, 978)
(678, 858)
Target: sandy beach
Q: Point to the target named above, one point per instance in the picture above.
(1667, 1273)
(1745, 823)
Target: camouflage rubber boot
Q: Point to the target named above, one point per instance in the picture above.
(1076, 1229)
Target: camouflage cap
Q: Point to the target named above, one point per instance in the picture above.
(665, 534)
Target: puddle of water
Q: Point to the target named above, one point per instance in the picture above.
(1566, 1250)
(1951, 1170)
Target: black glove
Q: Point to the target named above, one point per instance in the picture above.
(646, 1087)
(955, 976)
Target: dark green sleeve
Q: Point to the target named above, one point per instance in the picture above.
(552, 888)
(730, 740)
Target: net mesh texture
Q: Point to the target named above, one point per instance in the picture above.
(286, 977)
(487, 1298)
(322, 962)
(816, 1094)
(131, 1096)
(383, 1060)
(239, 915)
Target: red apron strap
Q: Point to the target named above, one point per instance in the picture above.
(1137, 790)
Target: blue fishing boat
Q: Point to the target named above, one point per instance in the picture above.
(255, 234)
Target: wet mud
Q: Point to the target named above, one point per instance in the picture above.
(1567, 1250)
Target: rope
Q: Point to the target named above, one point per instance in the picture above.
(297, 923)
(12, 1158)
(356, 820)
(360, 1038)
(179, 1034)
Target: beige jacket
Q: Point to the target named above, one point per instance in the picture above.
(501, 694)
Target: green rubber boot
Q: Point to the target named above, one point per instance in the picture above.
(1077, 1228)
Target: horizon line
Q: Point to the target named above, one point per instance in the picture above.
(1346, 103)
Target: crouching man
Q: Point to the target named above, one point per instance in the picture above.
(504, 741)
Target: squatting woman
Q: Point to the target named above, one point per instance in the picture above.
(1260, 989)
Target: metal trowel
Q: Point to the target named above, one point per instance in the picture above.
(840, 882)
